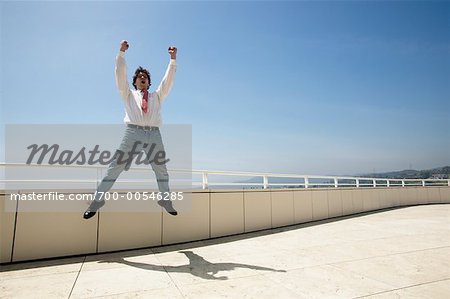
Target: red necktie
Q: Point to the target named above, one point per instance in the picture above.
(145, 101)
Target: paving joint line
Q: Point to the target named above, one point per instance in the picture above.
(75, 282)
(402, 288)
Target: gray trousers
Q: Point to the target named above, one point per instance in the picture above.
(134, 142)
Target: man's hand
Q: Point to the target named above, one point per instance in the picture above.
(173, 52)
(124, 45)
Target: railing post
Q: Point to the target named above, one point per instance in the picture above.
(265, 182)
(403, 183)
(388, 184)
(374, 183)
(336, 183)
(448, 183)
(423, 183)
(204, 180)
(307, 182)
(357, 183)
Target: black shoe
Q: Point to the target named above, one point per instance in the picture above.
(93, 208)
(167, 205)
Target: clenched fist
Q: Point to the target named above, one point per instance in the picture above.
(173, 52)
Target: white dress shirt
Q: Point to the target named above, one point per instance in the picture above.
(133, 98)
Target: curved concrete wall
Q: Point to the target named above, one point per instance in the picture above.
(34, 235)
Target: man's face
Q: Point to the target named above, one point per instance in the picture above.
(142, 82)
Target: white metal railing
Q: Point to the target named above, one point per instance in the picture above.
(306, 181)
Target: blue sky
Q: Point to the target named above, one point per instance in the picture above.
(307, 87)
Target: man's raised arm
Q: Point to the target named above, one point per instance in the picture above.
(121, 71)
(167, 81)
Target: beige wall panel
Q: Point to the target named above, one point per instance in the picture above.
(366, 202)
(347, 202)
(434, 195)
(357, 201)
(375, 198)
(383, 195)
(282, 208)
(258, 211)
(334, 203)
(445, 194)
(392, 196)
(422, 195)
(403, 197)
(54, 233)
(302, 206)
(227, 214)
(411, 195)
(319, 204)
(7, 218)
(122, 226)
(191, 223)
(371, 199)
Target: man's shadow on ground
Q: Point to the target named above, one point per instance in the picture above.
(197, 266)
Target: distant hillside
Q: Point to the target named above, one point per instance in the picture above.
(435, 173)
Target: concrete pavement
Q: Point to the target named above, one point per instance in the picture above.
(396, 253)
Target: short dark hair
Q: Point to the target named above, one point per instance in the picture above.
(140, 69)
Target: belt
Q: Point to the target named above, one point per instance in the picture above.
(146, 128)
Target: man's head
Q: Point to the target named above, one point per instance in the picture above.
(141, 79)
